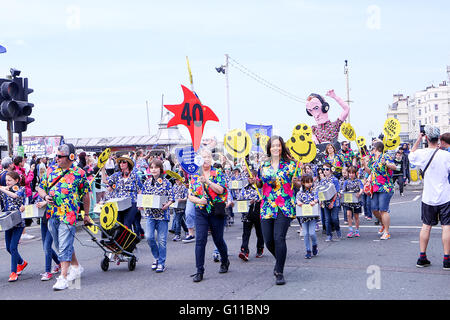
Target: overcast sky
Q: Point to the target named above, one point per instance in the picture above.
(94, 64)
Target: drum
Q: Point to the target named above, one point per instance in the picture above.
(307, 211)
(9, 219)
(151, 201)
(326, 192)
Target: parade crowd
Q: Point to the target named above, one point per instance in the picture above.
(273, 186)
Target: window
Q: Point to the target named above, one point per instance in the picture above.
(420, 112)
(420, 122)
(395, 116)
(436, 107)
(436, 119)
(435, 95)
(414, 123)
(418, 101)
(426, 120)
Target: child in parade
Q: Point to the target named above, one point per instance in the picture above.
(307, 195)
(47, 241)
(158, 219)
(250, 219)
(353, 184)
(13, 198)
(180, 193)
(331, 207)
(343, 178)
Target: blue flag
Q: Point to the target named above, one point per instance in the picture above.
(255, 130)
(2, 49)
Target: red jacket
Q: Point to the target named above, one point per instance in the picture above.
(28, 179)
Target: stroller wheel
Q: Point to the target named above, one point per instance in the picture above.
(132, 263)
(105, 264)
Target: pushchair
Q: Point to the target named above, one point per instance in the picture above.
(118, 243)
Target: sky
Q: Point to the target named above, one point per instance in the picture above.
(94, 65)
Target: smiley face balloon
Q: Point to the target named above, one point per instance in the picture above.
(108, 215)
(238, 143)
(348, 132)
(301, 145)
(302, 129)
(391, 144)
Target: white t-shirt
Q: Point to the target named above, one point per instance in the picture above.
(436, 188)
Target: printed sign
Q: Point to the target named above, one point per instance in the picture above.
(391, 128)
(348, 132)
(187, 158)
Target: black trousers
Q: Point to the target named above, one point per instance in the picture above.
(400, 181)
(274, 233)
(253, 220)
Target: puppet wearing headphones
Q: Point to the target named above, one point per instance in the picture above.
(325, 130)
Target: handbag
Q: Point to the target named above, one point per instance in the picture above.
(218, 210)
(422, 173)
(368, 186)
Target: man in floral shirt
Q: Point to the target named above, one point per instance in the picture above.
(63, 187)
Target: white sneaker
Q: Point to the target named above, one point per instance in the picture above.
(61, 284)
(74, 273)
(26, 236)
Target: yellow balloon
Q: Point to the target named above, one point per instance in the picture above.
(93, 228)
(391, 128)
(348, 132)
(302, 129)
(238, 143)
(360, 141)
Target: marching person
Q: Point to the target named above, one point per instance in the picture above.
(64, 187)
(334, 160)
(331, 207)
(435, 165)
(250, 219)
(208, 191)
(125, 184)
(278, 201)
(381, 167)
(158, 219)
(13, 198)
(352, 210)
(180, 193)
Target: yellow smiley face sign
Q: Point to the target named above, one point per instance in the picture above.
(108, 215)
(348, 132)
(391, 128)
(93, 228)
(301, 146)
(360, 141)
(302, 129)
(238, 143)
(263, 140)
(391, 144)
(103, 158)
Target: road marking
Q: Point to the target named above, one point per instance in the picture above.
(416, 198)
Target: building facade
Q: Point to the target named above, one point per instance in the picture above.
(426, 107)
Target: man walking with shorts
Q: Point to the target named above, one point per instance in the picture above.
(435, 166)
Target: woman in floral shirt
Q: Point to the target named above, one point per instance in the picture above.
(278, 201)
(125, 184)
(208, 191)
(333, 159)
(381, 167)
(158, 219)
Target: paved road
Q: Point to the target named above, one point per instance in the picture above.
(353, 269)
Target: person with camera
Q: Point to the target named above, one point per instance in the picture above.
(435, 166)
(64, 187)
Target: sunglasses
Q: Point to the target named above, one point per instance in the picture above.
(123, 161)
(326, 169)
(61, 156)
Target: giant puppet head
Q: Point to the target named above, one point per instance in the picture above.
(317, 107)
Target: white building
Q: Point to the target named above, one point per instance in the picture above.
(427, 107)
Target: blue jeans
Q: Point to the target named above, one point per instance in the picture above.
(367, 205)
(47, 242)
(310, 233)
(332, 220)
(128, 218)
(203, 222)
(179, 222)
(190, 214)
(157, 245)
(380, 201)
(63, 236)
(12, 237)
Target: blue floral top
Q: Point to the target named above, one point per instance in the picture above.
(353, 186)
(160, 187)
(306, 197)
(125, 188)
(248, 193)
(14, 204)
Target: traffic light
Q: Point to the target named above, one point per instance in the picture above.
(9, 108)
(22, 119)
